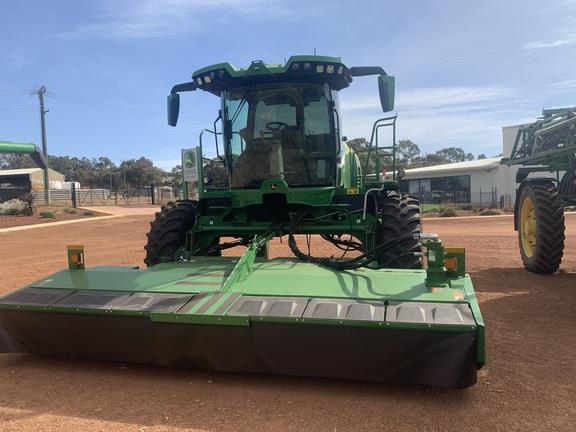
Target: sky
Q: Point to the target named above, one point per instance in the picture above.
(463, 68)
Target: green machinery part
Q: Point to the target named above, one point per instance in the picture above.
(401, 308)
(24, 148)
(546, 150)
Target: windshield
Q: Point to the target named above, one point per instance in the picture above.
(280, 131)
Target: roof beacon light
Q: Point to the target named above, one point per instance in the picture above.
(307, 66)
(319, 68)
(329, 69)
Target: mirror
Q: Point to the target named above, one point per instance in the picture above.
(386, 84)
(173, 105)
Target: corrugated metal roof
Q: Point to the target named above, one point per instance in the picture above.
(19, 171)
(25, 171)
(480, 164)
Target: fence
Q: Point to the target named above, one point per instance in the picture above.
(438, 200)
(94, 197)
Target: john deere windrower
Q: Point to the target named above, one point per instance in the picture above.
(376, 313)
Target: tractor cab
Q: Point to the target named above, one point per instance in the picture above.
(281, 131)
(281, 122)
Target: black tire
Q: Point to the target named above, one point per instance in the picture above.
(168, 231)
(545, 255)
(400, 214)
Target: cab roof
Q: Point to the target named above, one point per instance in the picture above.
(301, 68)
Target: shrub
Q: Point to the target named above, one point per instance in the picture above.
(69, 210)
(13, 207)
(28, 200)
(448, 212)
(47, 215)
(88, 213)
(490, 212)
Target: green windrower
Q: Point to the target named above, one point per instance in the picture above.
(393, 304)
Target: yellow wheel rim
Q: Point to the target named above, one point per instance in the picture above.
(528, 226)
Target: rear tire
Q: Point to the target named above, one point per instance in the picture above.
(540, 228)
(168, 231)
(400, 214)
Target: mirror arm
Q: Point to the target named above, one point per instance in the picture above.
(189, 86)
(358, 71)
(216, 133)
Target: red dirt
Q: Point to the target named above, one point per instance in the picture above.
(9, 221)
(528, 384)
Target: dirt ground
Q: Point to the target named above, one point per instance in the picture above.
(529, 382)
(9, 221)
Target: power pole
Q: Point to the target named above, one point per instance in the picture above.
(40, 92)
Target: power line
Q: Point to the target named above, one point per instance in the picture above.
(66, 97)
(14, 93)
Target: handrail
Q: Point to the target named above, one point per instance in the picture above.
(379, 123)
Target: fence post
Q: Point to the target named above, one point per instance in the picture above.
(480, 196)
(152, 193)
(73, 196)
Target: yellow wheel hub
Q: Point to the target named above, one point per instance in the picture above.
(528, 226)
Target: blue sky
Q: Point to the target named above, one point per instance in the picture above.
(463, 68)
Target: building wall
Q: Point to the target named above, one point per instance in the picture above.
(37, 178)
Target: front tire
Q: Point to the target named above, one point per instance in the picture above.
(540, 228)
(400, 215)
(168, 231)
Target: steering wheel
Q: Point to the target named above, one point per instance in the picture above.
(276, 125)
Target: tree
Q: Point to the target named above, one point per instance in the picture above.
(215, 174)
(451, 154)
(406, 153)
(481, 156)
(141, 173)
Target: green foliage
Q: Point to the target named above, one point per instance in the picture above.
(97, 172)
(13, 207)
(88, 213)
(47, 215)
(69, 210)
(360, 147)
(448, 212)
(482, 156)
(406, 153)
(28, 200)
(490, 212)
(215, 174)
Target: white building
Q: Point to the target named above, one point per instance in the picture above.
(482, 182)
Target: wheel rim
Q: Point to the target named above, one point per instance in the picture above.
(528, 226)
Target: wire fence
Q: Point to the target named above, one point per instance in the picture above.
(464, 200)
(73, 197)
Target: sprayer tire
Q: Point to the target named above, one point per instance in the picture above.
(544, 254)
(399, 215)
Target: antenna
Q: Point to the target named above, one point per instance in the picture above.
(314, 50)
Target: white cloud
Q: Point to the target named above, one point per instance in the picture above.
(436, 117)
(130, 19)
(569, 39)
(433, 98)
(561, 85)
